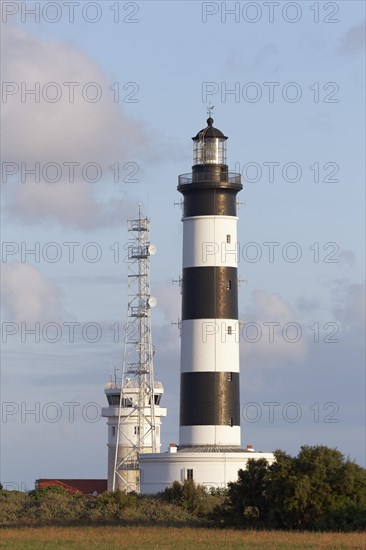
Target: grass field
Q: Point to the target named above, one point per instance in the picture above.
(113, 538)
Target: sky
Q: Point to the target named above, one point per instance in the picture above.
(99, 104)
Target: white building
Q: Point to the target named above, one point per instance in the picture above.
(134, 435)
(211, 469)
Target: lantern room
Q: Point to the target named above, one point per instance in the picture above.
(209, 146)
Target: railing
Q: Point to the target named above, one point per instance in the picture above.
(139, 225)
(232, 177)
(136, 252)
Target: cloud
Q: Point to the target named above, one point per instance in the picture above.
(169, 301)
(64, 131)
(166, 340)
(308, 305)
(349, 304)
(71, 204)
(347, 257)
(27, 296)
(262, 340)
(354, 41)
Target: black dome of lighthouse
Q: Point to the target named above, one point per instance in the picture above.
(209, 132)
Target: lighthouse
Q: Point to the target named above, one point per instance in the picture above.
(209, 383)
(209, 451)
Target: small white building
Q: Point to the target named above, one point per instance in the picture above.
(210, 469)
(125, 443)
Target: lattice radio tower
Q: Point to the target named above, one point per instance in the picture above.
(139, 395)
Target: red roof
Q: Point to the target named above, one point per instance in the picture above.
(84, 486)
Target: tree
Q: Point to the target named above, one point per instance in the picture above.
(320, 481)
(247, 496)
(318, 489)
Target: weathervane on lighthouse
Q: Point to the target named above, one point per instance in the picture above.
(209, 110)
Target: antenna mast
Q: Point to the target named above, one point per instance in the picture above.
(136, 416)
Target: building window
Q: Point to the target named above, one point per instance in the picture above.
(229, 329)
(228, 285)
(231, 422)
(126, 402)
(228, 239)
(190, 474)
(156, 399)
(113, 399)
(136, 430)
(229, 376)
(113, 431)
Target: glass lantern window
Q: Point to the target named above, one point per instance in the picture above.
(209, 151)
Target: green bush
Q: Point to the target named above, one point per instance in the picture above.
(110, 506)
(191, 497)
(53, 506)
(13, 506)
(152, 510)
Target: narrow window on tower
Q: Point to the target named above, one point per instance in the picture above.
(228, 239)
(231, 422)
(228, 285)
(113, 431)
(136, 430)
(230, 330)
(229, 376)
(189, 474)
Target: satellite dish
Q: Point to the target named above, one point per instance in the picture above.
(152, 249)
(152, 301)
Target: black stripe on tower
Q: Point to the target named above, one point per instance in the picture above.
(210, 191)
(209, 399)
(210, 293)
(210, 202)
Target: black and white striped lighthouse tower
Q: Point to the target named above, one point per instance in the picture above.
(209, 387)
(209, 450)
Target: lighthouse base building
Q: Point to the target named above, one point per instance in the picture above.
(210, 469)
(209, 450)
